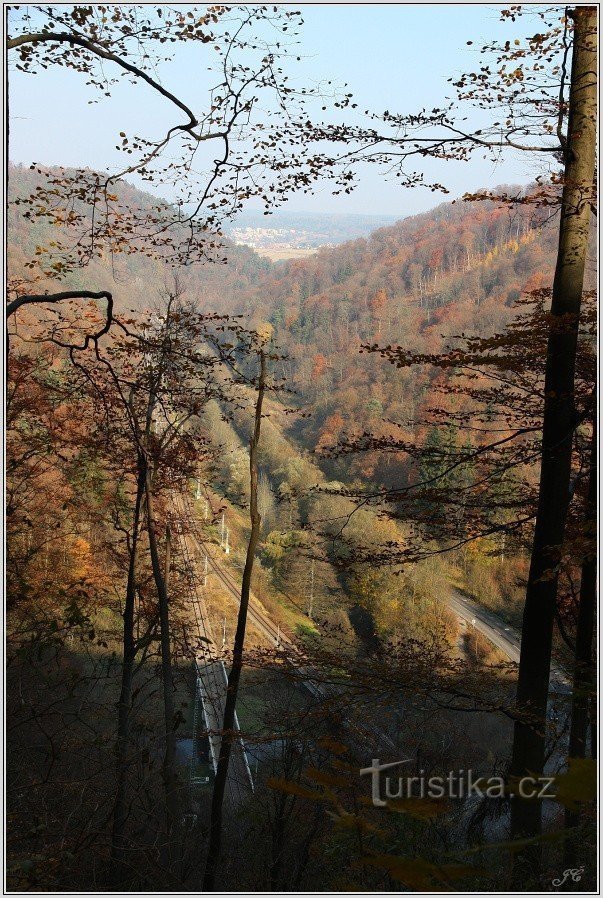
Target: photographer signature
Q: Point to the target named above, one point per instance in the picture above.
(575, 875)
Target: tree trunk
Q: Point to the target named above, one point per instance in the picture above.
(584, 668)
(558, 427)
(125, 697)
(217, 804)
(169, 759)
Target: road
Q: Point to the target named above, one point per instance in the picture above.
(500, 634)
(497, 631)
(504, 637)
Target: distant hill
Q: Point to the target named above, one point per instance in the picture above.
(135, 280)
(459, 268)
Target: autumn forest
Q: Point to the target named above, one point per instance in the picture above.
(300, 556)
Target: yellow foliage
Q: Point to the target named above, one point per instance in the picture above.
(578, 785)
(81, 558)
(265, 331)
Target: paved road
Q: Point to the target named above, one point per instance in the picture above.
(508, 640)
(504, 637)
(500, 634)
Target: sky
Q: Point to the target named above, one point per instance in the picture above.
(395, 57)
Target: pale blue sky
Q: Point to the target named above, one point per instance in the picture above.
(392, 57)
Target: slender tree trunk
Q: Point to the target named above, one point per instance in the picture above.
(278, 841)
(169, 759)
(584, 669)
(125, 697)
(217, 804)
(558, 427)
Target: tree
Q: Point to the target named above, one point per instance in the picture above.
(485, 488)
(584, 669)
(154, 384)
(246, 126)
(539, 109)
(559, 419)
(252, 152)
(234, 677)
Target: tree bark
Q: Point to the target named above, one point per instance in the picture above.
(558, 427)
(125, 697)
(169, 758)
(584, 668)
(217, 805)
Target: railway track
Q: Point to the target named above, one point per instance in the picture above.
(309, 677)
(492, 627)
(211, 686)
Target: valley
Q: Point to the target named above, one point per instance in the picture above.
(395, 491)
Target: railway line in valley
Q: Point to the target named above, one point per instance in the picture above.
(211, 683)
(312, 680)
(498, 632)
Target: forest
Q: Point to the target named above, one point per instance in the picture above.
(300, 555)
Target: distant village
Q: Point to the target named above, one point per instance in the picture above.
(278, 238)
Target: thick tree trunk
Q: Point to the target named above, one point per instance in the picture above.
(584, 669)
(125, 696)
(217, 805)
(169, 758)
(558, 427)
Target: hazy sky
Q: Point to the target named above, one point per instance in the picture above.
(392, 57)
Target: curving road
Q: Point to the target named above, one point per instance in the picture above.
(502, 635)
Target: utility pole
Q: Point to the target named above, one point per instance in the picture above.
(222, 529)
(226, 546)
(224, 635)
(198, 491)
